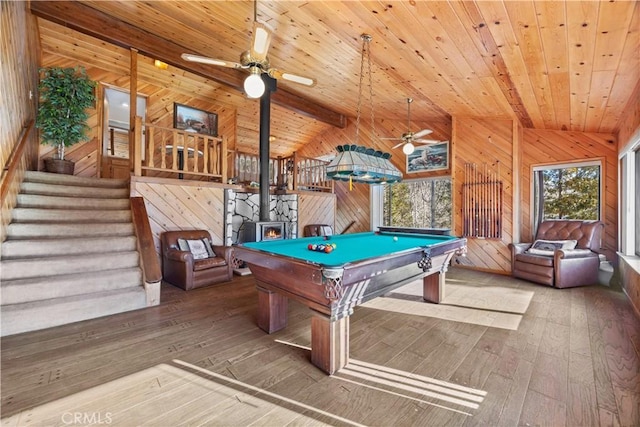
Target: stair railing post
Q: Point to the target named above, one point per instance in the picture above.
(137, 142)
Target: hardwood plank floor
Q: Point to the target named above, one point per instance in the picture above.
(497, 351)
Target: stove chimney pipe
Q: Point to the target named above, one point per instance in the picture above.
(265, 131)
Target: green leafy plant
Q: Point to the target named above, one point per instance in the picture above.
(65, 96)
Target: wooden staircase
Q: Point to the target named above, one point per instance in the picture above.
(70, 254)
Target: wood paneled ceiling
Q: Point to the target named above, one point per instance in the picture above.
(561, 65)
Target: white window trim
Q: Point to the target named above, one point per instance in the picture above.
(626, 198)
(543, 166)
(376, 196)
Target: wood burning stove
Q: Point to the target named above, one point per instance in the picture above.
(263, 230)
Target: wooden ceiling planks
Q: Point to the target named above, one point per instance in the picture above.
(581, 47)
(552, 65)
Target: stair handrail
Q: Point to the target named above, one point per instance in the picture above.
(12, 175)
(13, 164)
(150, 263)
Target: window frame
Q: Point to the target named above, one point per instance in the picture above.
(627, 210)
(596, 161)
(376, 197)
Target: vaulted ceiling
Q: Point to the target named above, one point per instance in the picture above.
(561, 65)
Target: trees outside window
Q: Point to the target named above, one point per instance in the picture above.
(420, 203)
(567, 192)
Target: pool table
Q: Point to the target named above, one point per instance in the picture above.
(363, 266)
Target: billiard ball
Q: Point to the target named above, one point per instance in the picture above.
(328, 249)
(395, 238)
(310, 246)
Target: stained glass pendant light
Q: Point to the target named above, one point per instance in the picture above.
(357, 163)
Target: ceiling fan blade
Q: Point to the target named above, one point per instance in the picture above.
(391, 139)
(427, 141)
(260, 41)
(277, 74)
(211, 61)
(422, 132)
(397, 145)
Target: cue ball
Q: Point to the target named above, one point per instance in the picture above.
(395, 238)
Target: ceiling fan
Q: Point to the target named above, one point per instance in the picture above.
(255, 60)
(409, 138)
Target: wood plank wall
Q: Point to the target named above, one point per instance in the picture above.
(109, 65)
(550, 147)
(181, 205)
(316, 208)
(18, 97)
(483, 141)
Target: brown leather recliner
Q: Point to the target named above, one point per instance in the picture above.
(562, 268)
(181, 269)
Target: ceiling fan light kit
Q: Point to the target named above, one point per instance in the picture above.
(254, 87)
(409, 138)
(408, 148)
(356, 163)
(255, 60)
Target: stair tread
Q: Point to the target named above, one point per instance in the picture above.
(70, 240)
(70, 277)
(80, 297)
(46, 177)
(79, 257)
(73, 191)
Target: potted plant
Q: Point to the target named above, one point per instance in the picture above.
(65, 96)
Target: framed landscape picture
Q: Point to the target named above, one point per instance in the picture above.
(194, 120)
(427, 158)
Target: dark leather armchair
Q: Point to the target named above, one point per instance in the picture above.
(313, 230)
(561, 268)
(181, 269)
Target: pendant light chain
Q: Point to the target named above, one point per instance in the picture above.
(365, 39)
(373, 122)
(356, 163)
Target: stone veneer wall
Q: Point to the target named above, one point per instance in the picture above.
(243, 207)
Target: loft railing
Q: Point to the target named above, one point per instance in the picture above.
(166, 150)
(293, 172)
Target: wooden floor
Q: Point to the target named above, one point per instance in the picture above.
(497, 352)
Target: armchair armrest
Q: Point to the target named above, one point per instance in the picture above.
(575, 267)
(181, 256)
(575, 253)
(223, 251)
(519, 248)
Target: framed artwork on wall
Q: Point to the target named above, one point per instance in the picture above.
(194, 120)
(427, 158)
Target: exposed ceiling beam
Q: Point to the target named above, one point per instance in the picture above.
(87, 20)
(494, 60)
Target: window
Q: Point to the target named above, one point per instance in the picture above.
(569, 191)
(420, 203)
(637, 200)
(629, 198)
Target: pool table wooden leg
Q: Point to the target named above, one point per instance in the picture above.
(272, 310)
(329, 342)
(433, 287)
